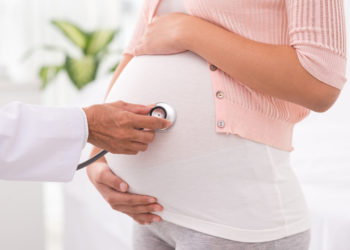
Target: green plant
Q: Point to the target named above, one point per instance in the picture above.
(81, 70)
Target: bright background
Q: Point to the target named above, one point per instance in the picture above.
(73, 216)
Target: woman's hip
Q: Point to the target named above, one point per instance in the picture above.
(168, 236)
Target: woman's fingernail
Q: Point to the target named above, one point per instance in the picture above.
(156, 219)
(123, 187)
(152, 200)
(157, 208)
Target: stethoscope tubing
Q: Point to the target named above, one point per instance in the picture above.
(95, 158)
(92, 160)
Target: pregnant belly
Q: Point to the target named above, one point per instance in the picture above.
(183, 81)
(190, 164)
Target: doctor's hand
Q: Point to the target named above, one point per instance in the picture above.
(114, 126)
(114, 191)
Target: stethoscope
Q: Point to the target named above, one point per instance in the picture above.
(161, 110)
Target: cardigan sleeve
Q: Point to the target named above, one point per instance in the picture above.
(317, 33)
(138, 29)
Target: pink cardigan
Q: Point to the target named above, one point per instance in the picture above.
(315, 28)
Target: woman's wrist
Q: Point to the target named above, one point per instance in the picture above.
(95, 151)
(187, 33)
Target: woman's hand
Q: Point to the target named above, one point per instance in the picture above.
(164, 35)
(114, 191)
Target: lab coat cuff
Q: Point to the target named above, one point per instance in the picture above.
(86, 128)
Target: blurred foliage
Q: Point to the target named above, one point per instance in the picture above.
(81, 70)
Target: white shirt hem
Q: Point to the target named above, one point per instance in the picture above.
(237, 234)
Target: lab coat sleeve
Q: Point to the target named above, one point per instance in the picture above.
(40, 143)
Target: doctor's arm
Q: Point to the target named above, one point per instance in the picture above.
(44, 143)
(40, 143)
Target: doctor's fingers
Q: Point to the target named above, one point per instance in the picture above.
(143, 136)
(149, 122)
(134, 108)
(136, 146)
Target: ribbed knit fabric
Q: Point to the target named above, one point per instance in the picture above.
(315, 28)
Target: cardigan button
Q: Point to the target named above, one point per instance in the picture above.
(213, 67)
(220, 94)
(221, 124)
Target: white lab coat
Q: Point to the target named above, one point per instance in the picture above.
(40, 143)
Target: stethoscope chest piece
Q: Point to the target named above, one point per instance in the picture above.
(164, 111)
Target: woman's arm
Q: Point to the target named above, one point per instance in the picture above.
(271, 69)
(309, 70)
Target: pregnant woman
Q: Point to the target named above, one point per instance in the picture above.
(240, 74)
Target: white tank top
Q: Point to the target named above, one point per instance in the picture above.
(218, 184)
